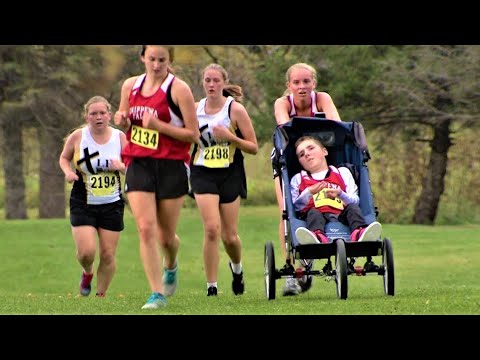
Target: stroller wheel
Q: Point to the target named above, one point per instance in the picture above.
(269, 271)
(388, 274)
(341, 270)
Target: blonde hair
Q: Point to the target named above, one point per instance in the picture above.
(297, 66)
(234, 91)
(96, 99)
(93, 100)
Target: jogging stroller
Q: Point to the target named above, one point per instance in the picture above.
(347, 146)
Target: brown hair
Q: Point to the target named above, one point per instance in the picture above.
(171, 54)
(234, 91)
(305, 138)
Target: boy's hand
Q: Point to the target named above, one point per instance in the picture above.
(333, 193)
(317, 187)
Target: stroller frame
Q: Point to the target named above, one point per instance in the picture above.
(347, 146)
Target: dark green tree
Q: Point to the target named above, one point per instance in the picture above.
(428, 93)
(46, 87)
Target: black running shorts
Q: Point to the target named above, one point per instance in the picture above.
(228, 183)
(166, 178)
(106, 216)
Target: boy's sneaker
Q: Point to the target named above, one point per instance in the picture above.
(238, 286)
(212, 291)
(291, 287)
(155, 301)
(305, 236)
(170, 280)
(86, 284)
(371, 233)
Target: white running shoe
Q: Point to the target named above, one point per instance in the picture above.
(155, 301)
(305, 236)
(371, 233)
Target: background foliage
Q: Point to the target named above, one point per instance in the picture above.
(418, 104)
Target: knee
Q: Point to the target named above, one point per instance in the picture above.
(86, 257)
(146, 231)
(107, 258)
(351, 207)
(212, 231)
(230, 239)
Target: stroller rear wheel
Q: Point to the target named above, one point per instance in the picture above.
(341, 270)
(269, 271)
(389, 273)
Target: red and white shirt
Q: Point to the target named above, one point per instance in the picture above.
(341, 178)
(147, 142)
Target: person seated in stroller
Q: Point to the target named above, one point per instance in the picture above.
(323, 193)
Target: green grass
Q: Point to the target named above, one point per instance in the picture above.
(436, 273)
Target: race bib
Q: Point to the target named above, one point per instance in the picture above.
(103, 184)
(217, 156)
(321, 199)
(146, 138)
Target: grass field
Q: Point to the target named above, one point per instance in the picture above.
(436, 273)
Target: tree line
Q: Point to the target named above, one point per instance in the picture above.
(422, 95)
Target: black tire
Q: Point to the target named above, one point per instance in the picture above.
(389, 268)
(269, 271)
(341, 270)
